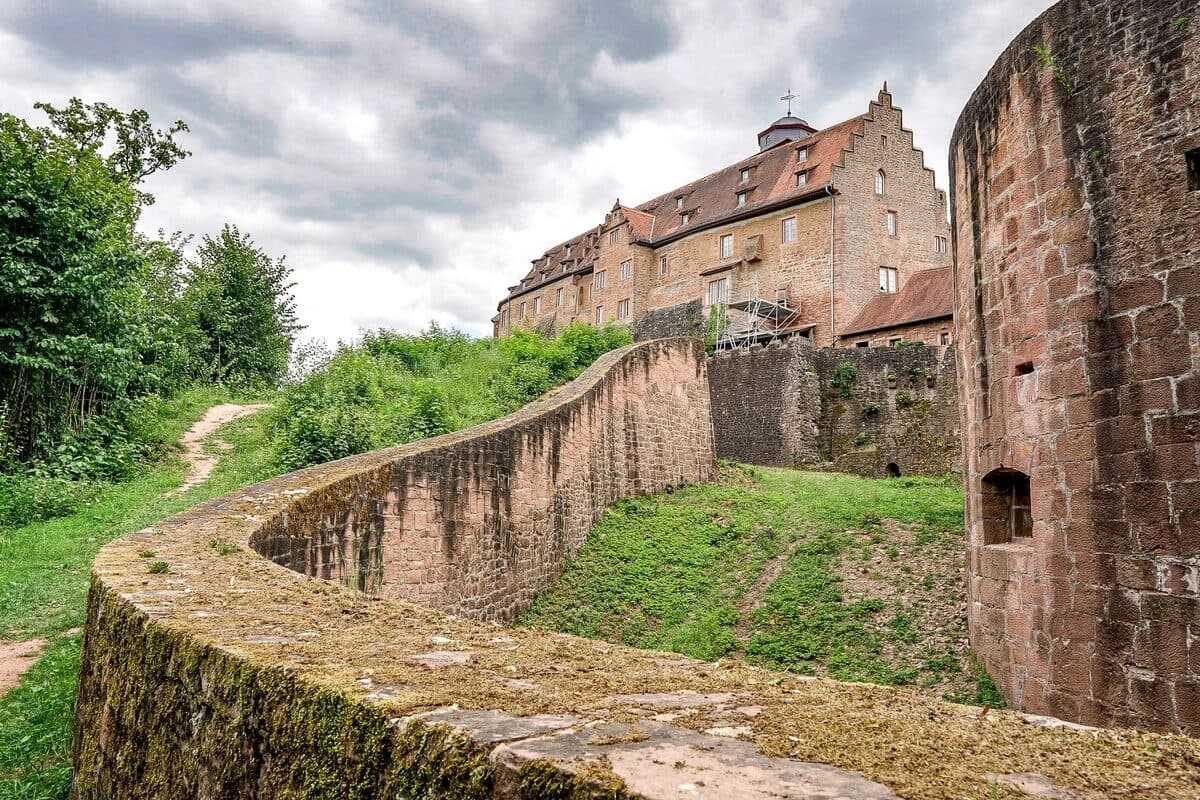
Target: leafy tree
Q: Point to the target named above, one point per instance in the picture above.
(138, 150)
(241, 311)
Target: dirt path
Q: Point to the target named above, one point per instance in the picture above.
(201, 464)
(15, 658)
(753, 596)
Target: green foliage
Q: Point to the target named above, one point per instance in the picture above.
(391, 388)
(843, 377)
(1055, 65)
(904, 399)
(718, 321)
(1181, 23)
(156, 567)
(870, 408)
(860, 439)
(681, 572)
(240, 312)
(98, 323)
(44, 570)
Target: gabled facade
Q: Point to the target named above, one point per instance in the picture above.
(821, 221)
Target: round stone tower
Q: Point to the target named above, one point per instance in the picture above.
(1075, 172)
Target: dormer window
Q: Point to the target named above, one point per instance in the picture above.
(745, 174)
(802, 178)
(679, 202)
(687, 217)
(741, 198)
(802, 154)
(568, 251)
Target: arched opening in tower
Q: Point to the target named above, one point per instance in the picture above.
(1007, 507)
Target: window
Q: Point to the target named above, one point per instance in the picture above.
(1193, 169)
(718, 291)
(523, 314)
(944, 339)
(862, 344)
(679, 202)
(727, 246)
(741, 198)
(899, 340)
(883, 140)
(568, 250)
(623, 309)
(891, 223)
(802, 178)
(600, 279)
(612, 236)
(1007, 506)
(599, 315)
(789, 230)
(802, 154)
(887, 279)
(880, 182)
(537, 306)
(662, 266)
(745, 174)
(687, 218)
(558, 298)
(627, 269)
(940, 244)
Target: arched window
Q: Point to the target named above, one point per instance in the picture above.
(880, 182)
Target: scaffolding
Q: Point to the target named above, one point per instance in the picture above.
(756, 320)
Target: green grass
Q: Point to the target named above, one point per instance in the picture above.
(43, 588)
(683, 572)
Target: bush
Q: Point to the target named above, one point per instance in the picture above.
(25, 499)
(391, 388)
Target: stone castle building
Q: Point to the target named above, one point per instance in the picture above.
(840, 233)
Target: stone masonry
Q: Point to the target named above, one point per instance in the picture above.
(237, 672)
(1075, 174)
(894, 410)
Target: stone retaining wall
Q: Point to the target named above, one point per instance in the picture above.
(230, 675)
(894, 412)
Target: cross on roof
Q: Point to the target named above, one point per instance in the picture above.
(789, 97)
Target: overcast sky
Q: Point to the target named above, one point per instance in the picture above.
(411, 158)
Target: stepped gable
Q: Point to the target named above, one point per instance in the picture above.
(926, 295)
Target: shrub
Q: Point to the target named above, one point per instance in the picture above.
(870, 408)
(31, 497)
(843, 377)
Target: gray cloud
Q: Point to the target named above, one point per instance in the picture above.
(411, 157)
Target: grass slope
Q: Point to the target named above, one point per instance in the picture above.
(817, 573)
(44, 571)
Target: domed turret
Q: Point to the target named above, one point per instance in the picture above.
(786, 128)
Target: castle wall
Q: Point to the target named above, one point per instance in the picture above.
(850, 410)
(1078, 312)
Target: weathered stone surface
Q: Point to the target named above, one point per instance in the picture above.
(777, 406)
(1076, 240)
(661, 762)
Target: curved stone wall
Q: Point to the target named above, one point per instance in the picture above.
(1076, 202)
(239, 672)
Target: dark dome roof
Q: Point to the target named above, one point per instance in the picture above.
(789, 120)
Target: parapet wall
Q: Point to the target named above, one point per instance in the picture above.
(859, 410)
(1075, 174)
(228, 675)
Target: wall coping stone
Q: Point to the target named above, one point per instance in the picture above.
(348, 695)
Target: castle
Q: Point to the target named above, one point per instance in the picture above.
(837, 235)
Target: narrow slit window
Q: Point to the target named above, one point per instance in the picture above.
(1193, 169)
(1007, 507)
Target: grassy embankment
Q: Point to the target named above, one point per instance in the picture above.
(817, 573)
(44, 571)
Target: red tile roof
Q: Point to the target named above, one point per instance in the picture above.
(710, 200)
(772, 178)
(927, 295)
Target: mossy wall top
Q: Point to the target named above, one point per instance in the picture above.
(231, 676)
